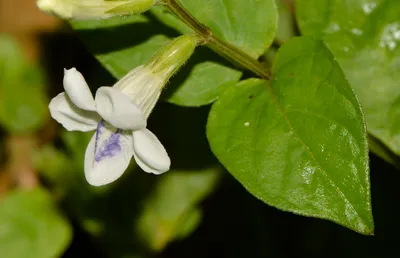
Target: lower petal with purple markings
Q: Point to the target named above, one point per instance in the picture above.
(108, 155)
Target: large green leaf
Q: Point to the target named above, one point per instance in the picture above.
(249, 26)
(298, 143)
(122, 43)
(31, 226)
(23, 103)
(364, 36)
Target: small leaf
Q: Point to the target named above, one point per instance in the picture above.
(364, 36)
(298, 144)
(31, 226)
(23, 103)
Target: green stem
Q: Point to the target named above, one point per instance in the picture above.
(223, 48)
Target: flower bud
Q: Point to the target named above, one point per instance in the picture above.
(172, 56)
(93, 9)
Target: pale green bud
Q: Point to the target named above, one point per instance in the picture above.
(93, 9)
(171, 57)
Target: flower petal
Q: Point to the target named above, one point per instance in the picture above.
(77, 90)
(149, 153)
(107, 155)
(117, 109)
(71, 117)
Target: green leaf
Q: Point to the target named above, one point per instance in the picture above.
(364, 37)
(171, 211)
(23, 103)
(31, 226)
(299, 143)
(250, 27)
(123, 43)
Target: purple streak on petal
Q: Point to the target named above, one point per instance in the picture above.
(98, 132)
(109, 148)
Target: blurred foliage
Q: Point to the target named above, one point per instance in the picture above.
(31, 226)
(23, 100)
(170, 211)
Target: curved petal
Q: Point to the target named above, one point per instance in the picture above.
(71, 117)
(149, 153)
(107, 155)
(117, 109)
(77, 90)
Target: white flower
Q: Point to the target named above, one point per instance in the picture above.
(119, 115)
(93, 9)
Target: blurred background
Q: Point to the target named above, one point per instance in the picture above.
(196, 210)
